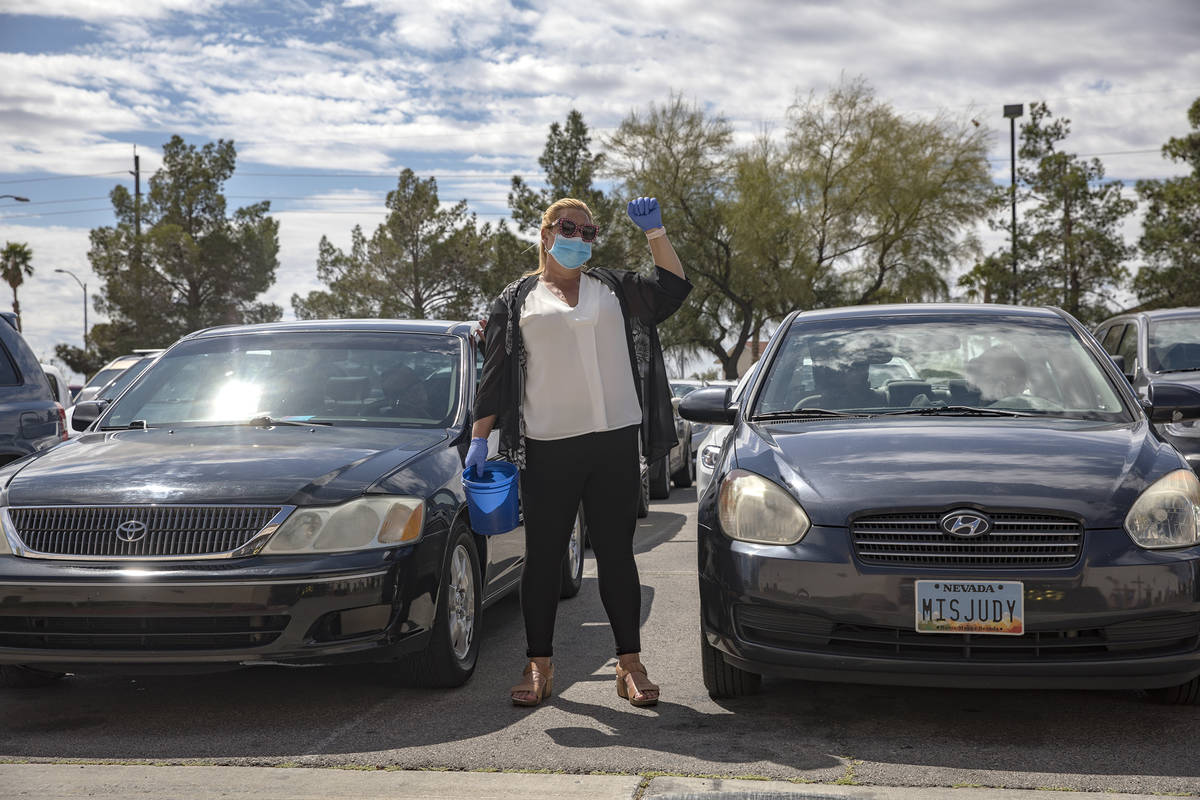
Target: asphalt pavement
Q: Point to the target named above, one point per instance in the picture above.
(277, 732)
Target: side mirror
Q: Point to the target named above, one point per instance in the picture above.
(1173, 402)
(709, 405)
(85, 413)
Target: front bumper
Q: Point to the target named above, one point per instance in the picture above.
(260, 610)
(1121, 618)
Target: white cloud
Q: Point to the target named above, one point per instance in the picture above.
(98, 10)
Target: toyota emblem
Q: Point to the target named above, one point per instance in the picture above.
(965, 524)
(131, 531)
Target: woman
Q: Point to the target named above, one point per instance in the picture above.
(573, 374)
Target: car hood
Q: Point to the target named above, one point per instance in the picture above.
(286, 464)
(839, 468)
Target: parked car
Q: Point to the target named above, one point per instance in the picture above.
(58, 384)
(109, 391)
(680, 387)
(1159, 346)
(677, 465)
(109, 371)
(708, 451)
(284, 493)
(700, 431)
(31, 419)
(1019, 524)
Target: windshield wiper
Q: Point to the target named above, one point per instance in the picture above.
(964, 411)
(136, 425)
(264, 421)
(802, 413)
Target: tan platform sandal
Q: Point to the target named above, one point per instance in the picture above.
(639, 697)
(537, 682)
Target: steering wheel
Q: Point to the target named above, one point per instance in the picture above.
(807, 402)
(1031, 401)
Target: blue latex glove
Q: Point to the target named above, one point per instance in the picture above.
(645, 213)
(476, 453)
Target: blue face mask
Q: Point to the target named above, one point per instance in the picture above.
(571, 253)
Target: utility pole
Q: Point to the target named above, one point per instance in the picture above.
(1012, 112)
(137, 208)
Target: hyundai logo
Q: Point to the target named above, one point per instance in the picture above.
(965, 524)
(131, 531)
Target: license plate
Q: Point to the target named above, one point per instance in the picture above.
(963, 606)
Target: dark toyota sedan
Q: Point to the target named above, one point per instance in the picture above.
(284, 493)
(1008, 518)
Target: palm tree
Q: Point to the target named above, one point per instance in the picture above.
(17, 264)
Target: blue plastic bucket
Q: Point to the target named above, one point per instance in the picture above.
(492, 497)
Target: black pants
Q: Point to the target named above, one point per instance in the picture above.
(602, 471)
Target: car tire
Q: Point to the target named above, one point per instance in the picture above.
(1186, 694)
(572, 567)
(13, 676)
(660, 479)
(722, 679)
(449, 658)
(687, 473)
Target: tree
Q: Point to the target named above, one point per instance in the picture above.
(18, 265)
(1170, 240)
(570, 171)
(1069, 244)
(193, 266)
(423, 262)
(683, 156)
(887, 205)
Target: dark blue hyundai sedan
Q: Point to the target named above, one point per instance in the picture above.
(1007, 518)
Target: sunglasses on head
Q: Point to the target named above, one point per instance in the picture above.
(570, 230)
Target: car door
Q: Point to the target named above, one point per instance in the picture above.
(505, 551)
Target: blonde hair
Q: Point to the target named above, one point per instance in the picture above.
(549, 217)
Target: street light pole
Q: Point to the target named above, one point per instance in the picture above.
(1012, 112)
(83, 286)
(15, 197)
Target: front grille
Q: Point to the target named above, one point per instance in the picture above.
(170, 531)
(790, 630)
(1016, 541)
(140, 634)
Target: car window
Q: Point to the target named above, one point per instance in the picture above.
(1127, 347)
(1034, 365)
(107, 374)
(123, 379)
(1174, 345)
(9, 376)
(1110, 337)
(373, 378)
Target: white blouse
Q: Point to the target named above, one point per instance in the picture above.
(578, 378)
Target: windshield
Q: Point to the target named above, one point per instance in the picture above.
(368, 378)
(107, 374)
(683, 389)
(1020, 364)
(1175, 345)
(114, 387)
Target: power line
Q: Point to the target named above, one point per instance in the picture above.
(54, 213)
(64, 177)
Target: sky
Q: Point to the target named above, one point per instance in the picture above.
(327, 101)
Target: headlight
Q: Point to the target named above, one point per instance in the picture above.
(753, 509)
(363, 524)
(1168, 513)
(709, 456)
(1191, 428)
